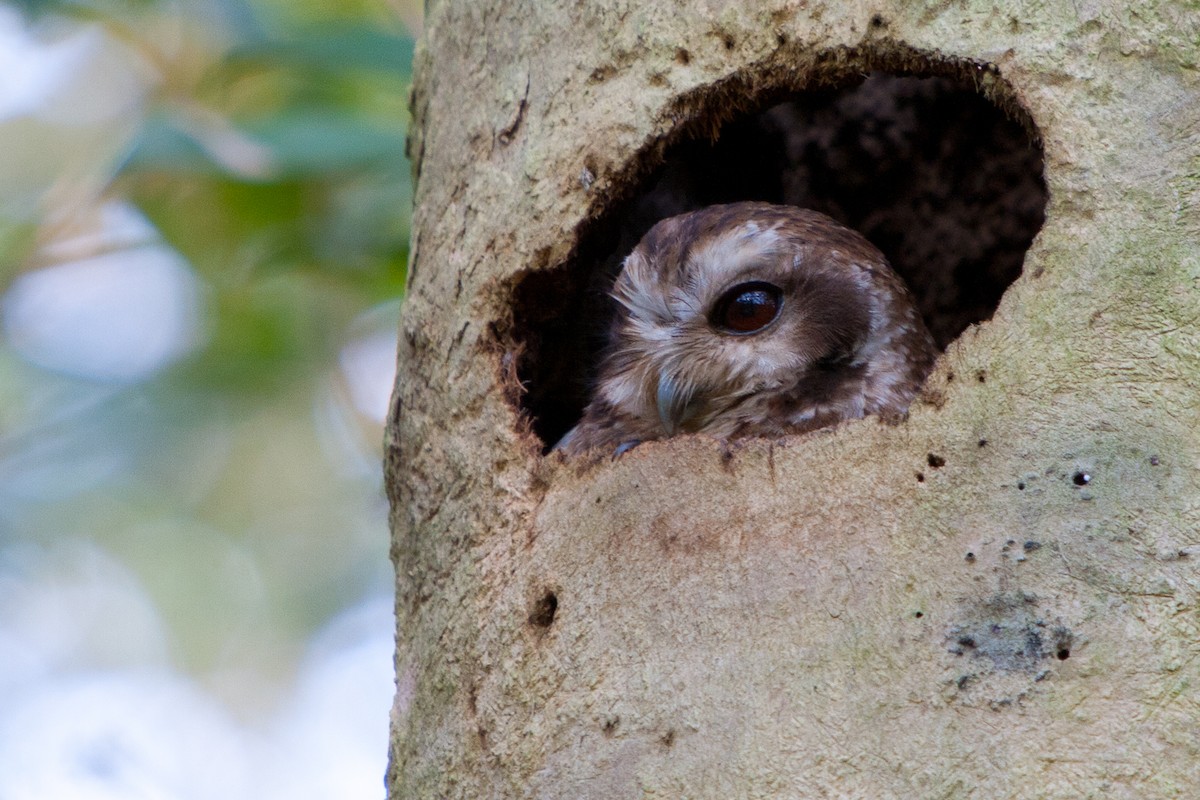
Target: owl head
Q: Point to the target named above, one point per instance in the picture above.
(752, 319)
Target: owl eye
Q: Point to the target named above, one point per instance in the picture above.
(747, 307)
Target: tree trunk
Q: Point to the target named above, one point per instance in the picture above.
(996, 597)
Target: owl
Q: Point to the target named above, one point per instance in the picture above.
(751, 319)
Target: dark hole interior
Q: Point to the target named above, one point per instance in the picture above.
(933, 173)
(544, 610)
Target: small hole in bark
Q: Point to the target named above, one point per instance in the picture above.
(919, 614)
(920, 477)
(1081, 478)
(970, 558)
(609, 726)
(1063, 654)
(1020, 486)
(542, 615)
(982, 443)
(728, 42)
(931, 158)
(935, 461)
(877, 21)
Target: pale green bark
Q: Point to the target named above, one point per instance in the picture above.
(802, 619)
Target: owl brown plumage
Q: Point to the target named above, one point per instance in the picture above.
(752, 319)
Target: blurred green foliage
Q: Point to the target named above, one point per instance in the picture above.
(273, 160)
(240, 484)
(323, 229)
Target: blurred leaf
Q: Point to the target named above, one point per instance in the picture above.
(237, 17)
(84, 7)
(366, 217)
(229, 230)
(18, 241)
(164, 143)
(335, 47)
(317, 141)
(266, 335)
(298, 143)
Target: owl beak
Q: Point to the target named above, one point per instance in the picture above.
(676, 405)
